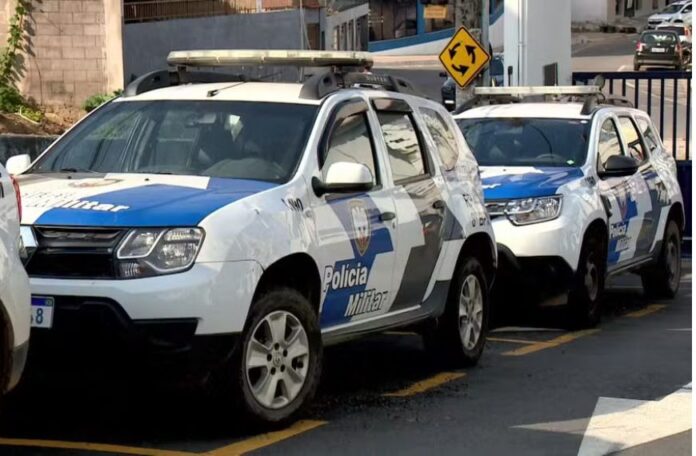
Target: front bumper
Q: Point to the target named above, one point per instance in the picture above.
(17, 360)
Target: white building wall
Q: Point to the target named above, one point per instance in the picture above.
(537, 33)
(596, 11)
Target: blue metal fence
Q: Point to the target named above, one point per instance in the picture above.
(665, 95)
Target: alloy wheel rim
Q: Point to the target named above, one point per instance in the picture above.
(591, 279)
(673, 266)
(277, 359)
(470, 312)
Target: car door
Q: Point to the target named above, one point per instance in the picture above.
(356, 232)
(420, 206)
(645, 185)
(619, 197)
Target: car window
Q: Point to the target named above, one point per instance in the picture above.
(226, 139)
(609, 143)
(629, 131)
(403, 146)
(648, 133)
(351, 141)
(659, 38)
(443, 136)
(527, 141)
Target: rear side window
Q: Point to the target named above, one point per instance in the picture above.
(609, 143)
(351, 142)
(443, 136)
(648, 133)
(632, 138)
(403, 146)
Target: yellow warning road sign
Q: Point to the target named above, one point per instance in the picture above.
(464, 57)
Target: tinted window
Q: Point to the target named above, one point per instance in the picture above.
(648, 134)
(661, 38)
(632, 138)
(443, 136)
(351, 142)
(527, 141)
(405, 155)
(687, 9)
(241, 140)
(609, 143)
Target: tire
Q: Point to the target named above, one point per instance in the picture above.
(452, 338)
(586, 291)
(293, 318)
(662, 279)
(636, 67)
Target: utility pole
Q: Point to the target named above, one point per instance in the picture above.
(485, 39)
(468, 14)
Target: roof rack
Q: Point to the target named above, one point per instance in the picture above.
(339, 70)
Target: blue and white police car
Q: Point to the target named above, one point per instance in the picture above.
(249, 224)
(576, 191)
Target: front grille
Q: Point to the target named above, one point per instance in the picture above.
(75, 252)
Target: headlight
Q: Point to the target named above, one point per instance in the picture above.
(147, 252)
(533, 210)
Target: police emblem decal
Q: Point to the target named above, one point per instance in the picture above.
(361, 226)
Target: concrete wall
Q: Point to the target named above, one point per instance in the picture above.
(537, 33)
(146, 45)
(69, 53)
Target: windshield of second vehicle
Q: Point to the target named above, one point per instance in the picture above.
(672, 9)
(527, 141)
(228, 139)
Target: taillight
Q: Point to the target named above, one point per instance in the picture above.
(15, 184)
(677, 48)
(639, 47)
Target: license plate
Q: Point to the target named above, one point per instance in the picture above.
(42, 312)
(659, 50)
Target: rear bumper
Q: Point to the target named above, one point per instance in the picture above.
(657, 59)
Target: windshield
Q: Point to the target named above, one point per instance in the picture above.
(671, 9)
(243, 140)
(527, 142)
(659, 38)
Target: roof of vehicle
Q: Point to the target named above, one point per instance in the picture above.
(532, 110)
(229, 91)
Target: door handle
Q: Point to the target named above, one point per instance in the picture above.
(439, 205)
(386, 216)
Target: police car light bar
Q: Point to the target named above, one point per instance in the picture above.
(223, 58)
(538, 90)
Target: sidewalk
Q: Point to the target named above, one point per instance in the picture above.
(620, 24)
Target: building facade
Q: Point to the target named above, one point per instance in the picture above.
(607, 11)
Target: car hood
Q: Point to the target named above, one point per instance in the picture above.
(127, 200)
(500, 182)
(661, 17)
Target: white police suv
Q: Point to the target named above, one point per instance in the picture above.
(14, 287)
(247, 224)
(576, 191)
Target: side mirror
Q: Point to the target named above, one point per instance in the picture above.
(620, 166)
(443, 74)
(344, 177)
(18, 164)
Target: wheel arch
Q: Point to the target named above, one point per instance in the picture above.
(599, 228)
(297, 271)
(481, 246)
(6, 344)
(676, 213)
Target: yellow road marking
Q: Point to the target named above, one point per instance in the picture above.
(512, 341)
(264, 440)
(652, 308)
(560, 340)
(99, 447)
(427, 384)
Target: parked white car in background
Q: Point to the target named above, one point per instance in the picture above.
(14, 288)
(675, 13)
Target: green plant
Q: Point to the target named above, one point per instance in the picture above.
(99, 99)
(10, 99)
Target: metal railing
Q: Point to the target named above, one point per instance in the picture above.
(159, 10)
(664, 95)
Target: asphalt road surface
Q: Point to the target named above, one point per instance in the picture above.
(622, 386)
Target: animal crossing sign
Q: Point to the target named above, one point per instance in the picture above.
(464, 57)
